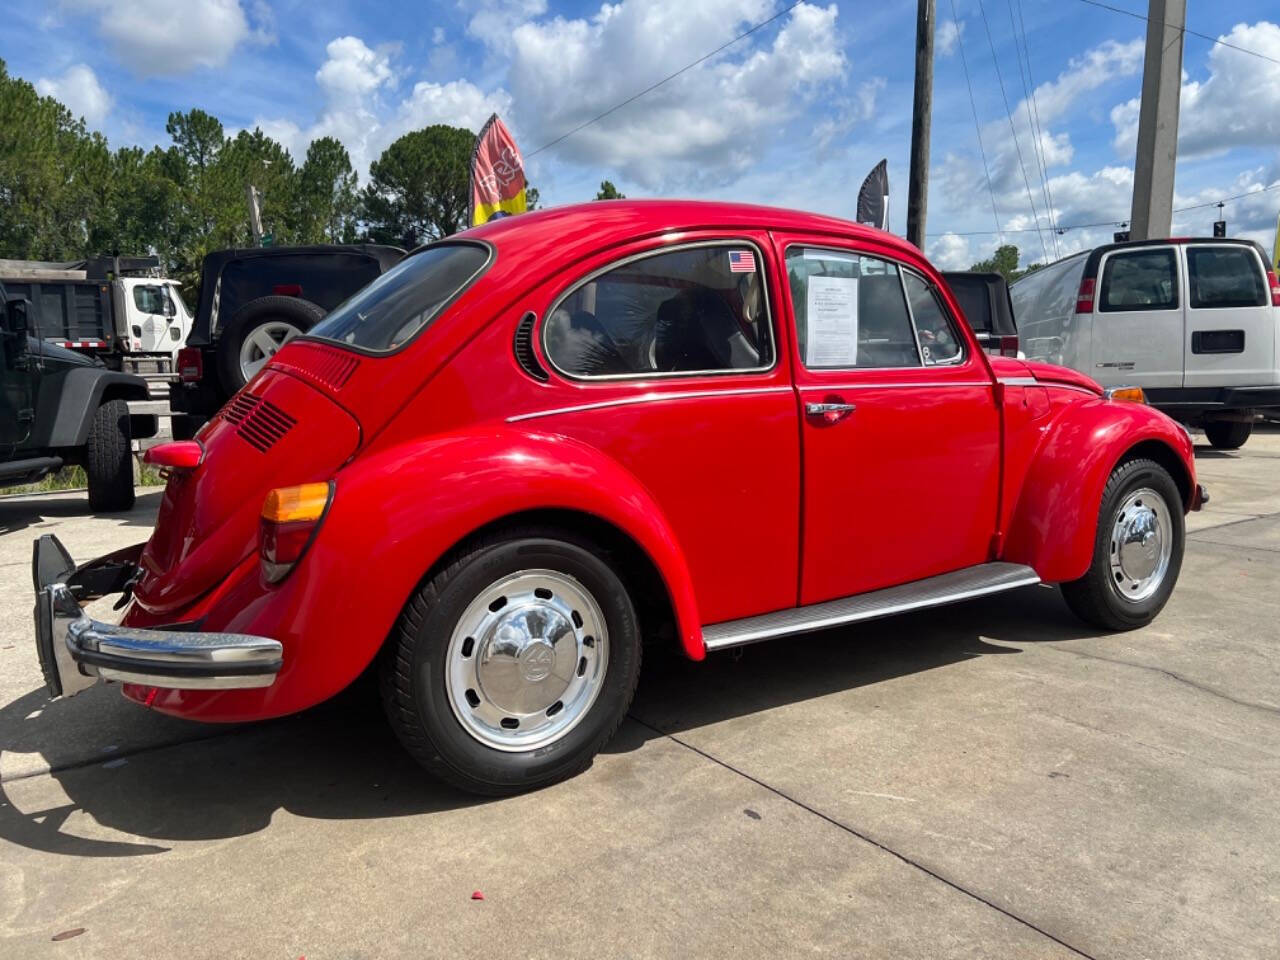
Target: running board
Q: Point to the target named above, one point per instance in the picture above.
(934, 592)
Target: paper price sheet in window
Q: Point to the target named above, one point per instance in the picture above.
(831, 307)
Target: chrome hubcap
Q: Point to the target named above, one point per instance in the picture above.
(261, 345)
(526, 660)
(1141, 545)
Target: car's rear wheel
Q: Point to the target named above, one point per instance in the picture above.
(1137, 552)
(1228, 434)
(513, 665)
(108, 458)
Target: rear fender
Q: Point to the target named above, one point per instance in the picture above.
(394, 515)
(1055, 521)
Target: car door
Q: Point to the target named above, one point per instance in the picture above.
(664, 357)
(900, 435)
(1137, 319)
(1231, 324)
(17, 372)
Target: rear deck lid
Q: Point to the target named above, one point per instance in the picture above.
(276, 432)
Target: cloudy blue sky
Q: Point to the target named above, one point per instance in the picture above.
(793, 115)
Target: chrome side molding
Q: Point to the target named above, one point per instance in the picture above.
(952, 587)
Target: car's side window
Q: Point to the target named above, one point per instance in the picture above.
(148, 299)
(694, 309)
(1140, 280)
(939, 341)
(850, 310)
(1224, 277)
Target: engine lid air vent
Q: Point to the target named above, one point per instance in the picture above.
(523, 344)
(260, 423)
(321, 365)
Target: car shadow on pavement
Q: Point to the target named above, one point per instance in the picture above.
(341, 761)
(676, 694)
(20, 512)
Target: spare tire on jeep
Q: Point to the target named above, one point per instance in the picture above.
(256, 331)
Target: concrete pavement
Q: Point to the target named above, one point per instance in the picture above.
(988, 780)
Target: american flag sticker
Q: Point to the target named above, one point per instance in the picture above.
(742, 261)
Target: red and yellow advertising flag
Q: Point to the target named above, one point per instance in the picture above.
(497, 174)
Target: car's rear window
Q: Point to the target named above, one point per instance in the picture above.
(403, 301)
(1225, 277)
(974, 296)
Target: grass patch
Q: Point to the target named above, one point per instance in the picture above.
(74, 478)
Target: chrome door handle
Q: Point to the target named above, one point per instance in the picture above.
(829, 411)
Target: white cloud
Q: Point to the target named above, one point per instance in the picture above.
(356, 80)
(79, 90)
(951, 252)
(710, 123)
(1237, 106)
(948, 37)
(159, 37)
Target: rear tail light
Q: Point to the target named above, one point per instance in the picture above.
(1008, 346)
(1084, 299)
(190, 365)
(290, 518)
(1275, 288)
(287, 289)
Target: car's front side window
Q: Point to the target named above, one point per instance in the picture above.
(940, 343)
(850, 310)
(694, 309)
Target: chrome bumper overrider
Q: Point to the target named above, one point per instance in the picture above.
(77, 651)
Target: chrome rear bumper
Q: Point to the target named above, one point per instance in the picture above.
(77, 651)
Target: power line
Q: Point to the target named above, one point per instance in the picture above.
(977, 128)
(1180, 29)
(1029, 87)
(1110, 223)
(1012, 129)
(649, 89)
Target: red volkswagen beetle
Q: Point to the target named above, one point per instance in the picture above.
(527, 448)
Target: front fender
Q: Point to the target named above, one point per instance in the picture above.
(1055, 521)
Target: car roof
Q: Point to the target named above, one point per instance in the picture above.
(596, 224)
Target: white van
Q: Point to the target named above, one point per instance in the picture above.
(1192, 321)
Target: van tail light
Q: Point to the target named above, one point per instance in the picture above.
(1084, 298)
(190, 365)
(290, 518)
(1008, 346)
(180, 455)
(1275, 288)
(287, 289)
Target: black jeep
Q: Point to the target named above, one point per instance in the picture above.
(58, 407)
(252, 302)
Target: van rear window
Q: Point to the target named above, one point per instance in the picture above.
(397, 306)
(1225, 277)
(1139, 280)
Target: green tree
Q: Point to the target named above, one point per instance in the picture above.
(609, 192)
(418, 188)
(327, 201)
(1005, 262)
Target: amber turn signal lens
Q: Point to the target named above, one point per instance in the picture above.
(1132, 394)
(291, 504)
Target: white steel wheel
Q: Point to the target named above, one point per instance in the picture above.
(1141, 545)
(526, 660)
(262, 343)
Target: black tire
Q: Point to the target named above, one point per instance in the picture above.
(1095, 598)
(413, 664)
(108, 459)
(302, 314)
(1228, 434)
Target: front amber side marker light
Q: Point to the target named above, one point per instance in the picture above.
(292, 504)
(1132, 394)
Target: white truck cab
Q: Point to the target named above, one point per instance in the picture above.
(151, 315)
(1192, 321)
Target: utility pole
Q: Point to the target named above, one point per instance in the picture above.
(1153, 167)
(921, 111)
(254, 196)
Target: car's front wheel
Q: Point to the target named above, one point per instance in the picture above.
(108, 458)
(1137, 552)
(513, 665)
